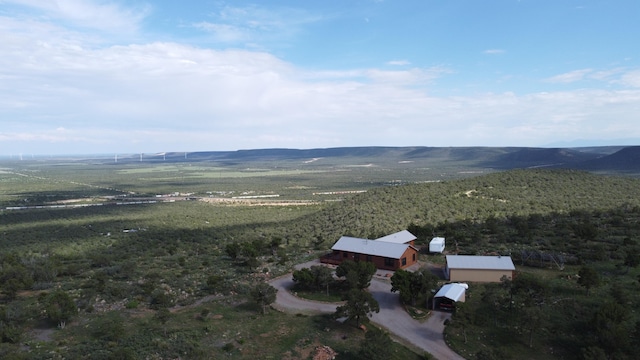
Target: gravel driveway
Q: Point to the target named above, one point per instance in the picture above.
(425, 335)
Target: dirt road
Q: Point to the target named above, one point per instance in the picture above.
(426, 335)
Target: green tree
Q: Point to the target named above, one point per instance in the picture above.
(214, 283)
(160, 298)
(323, 277)
(163, 315)
(462, 318)
(358, 274)
(377, 345)
(16, 275)
(632, 257)
(108, 327)
(531, 319)
(359, 304)
(530, 289)
(304, 278)
(11, 288)
(413, 286)
(60, 307)
(233, 250)
(274, 244)
(610, 327)
(588, 278)
(264, 295)
(594, 353)
(401, 281)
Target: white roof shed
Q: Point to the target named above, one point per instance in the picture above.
(448, 294)
(453, 291)
(436, 245)
(473, 262)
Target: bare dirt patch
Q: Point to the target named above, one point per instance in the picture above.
(258, 202)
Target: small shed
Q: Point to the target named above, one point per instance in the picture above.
(448, 295)
(436, 245)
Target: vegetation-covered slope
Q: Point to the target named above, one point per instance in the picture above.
(179, 253)
(499, 195)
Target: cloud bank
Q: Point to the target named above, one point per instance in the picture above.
(69, 91)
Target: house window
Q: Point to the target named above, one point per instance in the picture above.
(389, 262)
(345, 254)
(356, 257)
(414, 257)
(369, 258)
(404, 261)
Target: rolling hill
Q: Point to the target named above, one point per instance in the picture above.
(606, 158)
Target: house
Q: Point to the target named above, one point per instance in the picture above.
(478, 268)
(448, 295)
(397, 252)
(436, 245)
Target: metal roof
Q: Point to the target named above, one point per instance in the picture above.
(473, 262)
(437, 240)
(400, 237)
(370, 247)
(451, 291)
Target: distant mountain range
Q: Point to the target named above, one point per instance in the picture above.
(604, 158)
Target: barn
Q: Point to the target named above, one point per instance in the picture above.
(473, 268)
(397, 252)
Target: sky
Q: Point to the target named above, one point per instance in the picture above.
(115, 76)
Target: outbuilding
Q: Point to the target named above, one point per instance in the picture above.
(474, 268)
(448, 295)
(436, 245)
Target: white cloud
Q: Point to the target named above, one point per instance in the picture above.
(101, 15)
(570, 77)
(410, 76)
(224, 32)
(241, 24)
(61, 91)
(398, 62)
(619, 76)
(631, 78)
(494, 51)
(152, 97)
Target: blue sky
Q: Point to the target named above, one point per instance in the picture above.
(111, 76)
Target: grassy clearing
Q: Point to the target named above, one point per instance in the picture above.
(223, 328)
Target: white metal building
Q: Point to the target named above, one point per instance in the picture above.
(479, 268)
(436, 245)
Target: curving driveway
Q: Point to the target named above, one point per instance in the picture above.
(426, 335)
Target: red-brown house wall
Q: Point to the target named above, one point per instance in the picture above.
(336, 257)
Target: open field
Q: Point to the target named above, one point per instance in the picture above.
(122, 264)
(175, 246)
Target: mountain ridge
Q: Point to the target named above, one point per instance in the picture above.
(605, 158)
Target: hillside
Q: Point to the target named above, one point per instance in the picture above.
(612, 159)
(498, 195)
(121, 264)
(624, 160)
